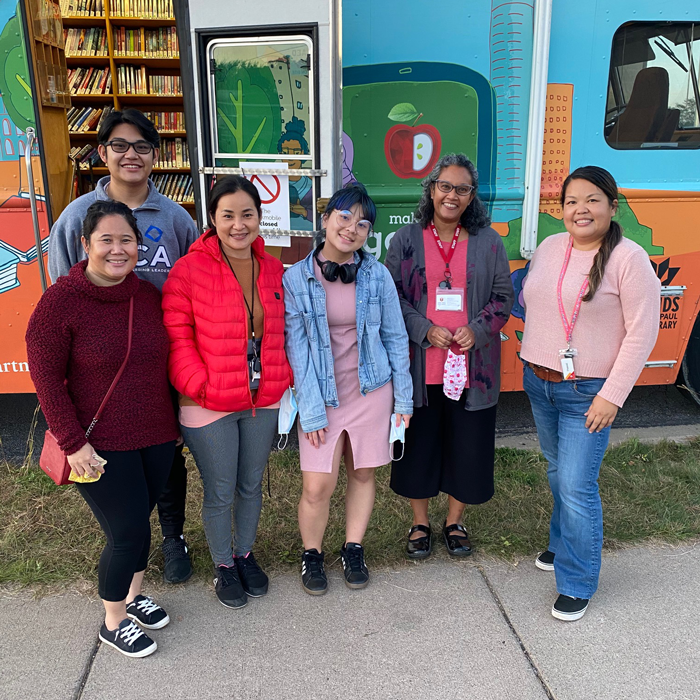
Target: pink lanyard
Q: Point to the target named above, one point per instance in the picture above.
(569, 327)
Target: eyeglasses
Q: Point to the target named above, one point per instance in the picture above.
(121, 146)
(461, 190)
(363, 227)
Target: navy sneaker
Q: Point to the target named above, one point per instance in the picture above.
(545, 561)
(178, 566)
(253, 579)
(313, 575)
(148, 614)
(228, 587)
(569, 609)
(129, 639)
(354, 567)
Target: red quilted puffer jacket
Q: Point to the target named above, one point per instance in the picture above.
(205, 315)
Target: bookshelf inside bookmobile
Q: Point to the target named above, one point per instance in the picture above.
(124, 53)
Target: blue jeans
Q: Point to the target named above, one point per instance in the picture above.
(574, 456)
(231, 454)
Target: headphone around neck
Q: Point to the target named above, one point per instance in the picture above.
(331, 271)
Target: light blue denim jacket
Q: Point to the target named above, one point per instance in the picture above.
(381, 339)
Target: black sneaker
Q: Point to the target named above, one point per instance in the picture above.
(545, 561)
(129, 639)
(569, 609)
(228, 587)
(354, 567)
(253, 578)
(313, 576)
(178, 567)
(143, 610)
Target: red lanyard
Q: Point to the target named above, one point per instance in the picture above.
(446, 256)
(569, 327)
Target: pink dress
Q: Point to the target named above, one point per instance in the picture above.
(366, 419)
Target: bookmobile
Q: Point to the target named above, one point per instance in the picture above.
(376, 91)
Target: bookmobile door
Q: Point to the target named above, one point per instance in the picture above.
(266, 101)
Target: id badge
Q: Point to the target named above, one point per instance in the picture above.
(449, 299)
(254, 365)
(566, 358)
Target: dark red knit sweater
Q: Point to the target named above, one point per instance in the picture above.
(76, 342)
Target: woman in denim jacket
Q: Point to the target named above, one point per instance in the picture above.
(348, 348)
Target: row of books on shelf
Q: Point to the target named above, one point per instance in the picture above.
(167, 121)
(81, 119)
(152, 9)
(133, 80)
(83, 8)
(89, 80)
(176, 186)
(85, 42)
(174, 153)
(140, 42)
(85, 156)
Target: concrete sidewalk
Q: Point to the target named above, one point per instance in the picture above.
(439, 630)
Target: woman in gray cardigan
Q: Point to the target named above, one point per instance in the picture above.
(452, 275)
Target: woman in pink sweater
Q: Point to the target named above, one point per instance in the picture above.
(592, 317)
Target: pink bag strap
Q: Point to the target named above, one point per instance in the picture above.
(119, 373)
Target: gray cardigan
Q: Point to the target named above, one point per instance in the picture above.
(489, 301)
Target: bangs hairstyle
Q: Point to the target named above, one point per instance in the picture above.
(133, 117)
(108, 207)
(475, 216)
(350, 195)
(230, 185)
(604, 181)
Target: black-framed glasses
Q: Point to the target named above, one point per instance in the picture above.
(461, 190)
(346, 220)
(121, 146)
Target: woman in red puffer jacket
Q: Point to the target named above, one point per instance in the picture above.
(223, 308)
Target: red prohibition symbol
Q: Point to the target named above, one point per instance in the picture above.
(269, 191)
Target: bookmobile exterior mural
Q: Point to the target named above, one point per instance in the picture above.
(622, 93)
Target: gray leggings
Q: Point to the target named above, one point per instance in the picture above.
(231, 454)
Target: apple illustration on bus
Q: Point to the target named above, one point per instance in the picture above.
(411, 151)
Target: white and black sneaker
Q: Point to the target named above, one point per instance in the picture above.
(569, 609)
(545, 561)
(313, 575)
(354, 567)
(129, 639)
(148, 614)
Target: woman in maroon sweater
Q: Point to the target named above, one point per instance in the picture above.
(76, 342)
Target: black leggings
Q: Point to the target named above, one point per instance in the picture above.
(122, 501)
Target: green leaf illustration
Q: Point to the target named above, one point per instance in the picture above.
(403, 112)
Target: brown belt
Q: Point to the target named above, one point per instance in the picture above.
(549, 375)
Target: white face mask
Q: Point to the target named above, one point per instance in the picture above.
(397, 434)
(286, 416)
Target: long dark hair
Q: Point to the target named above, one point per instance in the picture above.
(604, 181)
(474, 216)
(230, 185)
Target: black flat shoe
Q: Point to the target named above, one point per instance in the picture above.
(456, 540)
(420, 547)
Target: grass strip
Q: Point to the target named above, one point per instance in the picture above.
(650, 493)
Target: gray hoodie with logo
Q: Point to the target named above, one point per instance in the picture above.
(168, 231)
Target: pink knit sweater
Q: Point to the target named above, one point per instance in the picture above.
(615, 332)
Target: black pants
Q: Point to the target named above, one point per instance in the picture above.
(122, 501)
(448, 449)
(171, 504)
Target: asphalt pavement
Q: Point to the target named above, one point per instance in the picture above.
(438, 629)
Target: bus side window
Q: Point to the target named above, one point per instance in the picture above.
(653, 97)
